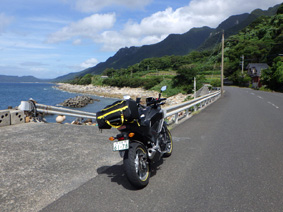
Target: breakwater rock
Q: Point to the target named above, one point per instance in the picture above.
(78, 101)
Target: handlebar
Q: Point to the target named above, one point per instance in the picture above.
(162, 99)
(154, 101)
(157, 102)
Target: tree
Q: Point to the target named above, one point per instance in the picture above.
(240, 79)
(185, 77)
(85, 80)
(216, 83)
(273, 77)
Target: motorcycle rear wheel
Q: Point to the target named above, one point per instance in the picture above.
(136, 165)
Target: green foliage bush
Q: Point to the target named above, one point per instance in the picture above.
(185, 78)
(85, 80)
(134, 82)
(171, 89)
(216, 83)
(97, 80)
(273, 77)
(240, 79)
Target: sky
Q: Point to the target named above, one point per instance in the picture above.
(47, 39)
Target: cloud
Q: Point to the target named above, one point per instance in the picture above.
(77, 42)
(87, 27)
(197, 13)
(11, 41)
(48, 19)
(89, 63)
(154, 28)
(32, 64)
(4, 21)
(97, 5)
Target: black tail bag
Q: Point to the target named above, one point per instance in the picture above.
(116, 114)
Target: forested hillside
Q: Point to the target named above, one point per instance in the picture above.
(260, 42)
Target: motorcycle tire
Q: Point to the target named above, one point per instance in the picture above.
(169, 143)
(136, 165)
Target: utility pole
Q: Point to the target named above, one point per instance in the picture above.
(195, 88)
(243, 57)
(222, 64)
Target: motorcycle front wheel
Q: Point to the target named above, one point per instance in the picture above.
(169, 143)
(136, 165)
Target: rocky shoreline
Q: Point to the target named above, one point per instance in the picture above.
(115, 92)
(78, 101)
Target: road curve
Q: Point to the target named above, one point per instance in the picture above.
(226, 158)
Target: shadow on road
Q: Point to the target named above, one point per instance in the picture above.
(117, 174)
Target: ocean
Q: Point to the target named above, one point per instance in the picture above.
(11, 94)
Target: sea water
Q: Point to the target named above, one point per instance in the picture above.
(11, 94)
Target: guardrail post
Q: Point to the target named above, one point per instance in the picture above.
(187, 113)
(190, 107)
(176, 118)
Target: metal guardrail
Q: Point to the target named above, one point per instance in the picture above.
(184, 110)
(46, 109)
(178, 111)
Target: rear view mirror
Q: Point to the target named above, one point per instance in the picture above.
(138, 100)
(163, 88)
(126, 97)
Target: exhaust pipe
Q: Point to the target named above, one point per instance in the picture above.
(151, 153)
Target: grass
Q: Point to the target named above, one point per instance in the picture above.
(171, 90)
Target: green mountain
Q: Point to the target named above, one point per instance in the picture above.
(234, 24)
(259, 42)
(175, 44)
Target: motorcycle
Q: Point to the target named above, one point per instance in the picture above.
(144, 141)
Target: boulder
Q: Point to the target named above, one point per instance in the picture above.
(78, 101)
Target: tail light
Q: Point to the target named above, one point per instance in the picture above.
(131, 135)
(111, 138)
(122, 137)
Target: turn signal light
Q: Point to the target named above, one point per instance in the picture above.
(131, 135)
(111, 138)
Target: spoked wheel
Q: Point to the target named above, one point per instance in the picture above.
(136, 165)
(168, 142)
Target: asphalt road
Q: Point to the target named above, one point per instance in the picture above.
(229, 157)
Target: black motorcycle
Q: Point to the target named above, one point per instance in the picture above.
(144, 137)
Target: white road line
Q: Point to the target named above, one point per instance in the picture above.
(252, 94)
(273, 105)
(260, 97)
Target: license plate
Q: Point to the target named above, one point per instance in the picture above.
(121, 145)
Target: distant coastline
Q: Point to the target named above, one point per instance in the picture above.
(31, 82)
(105, 91)
(23, 79)
(115, 92)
